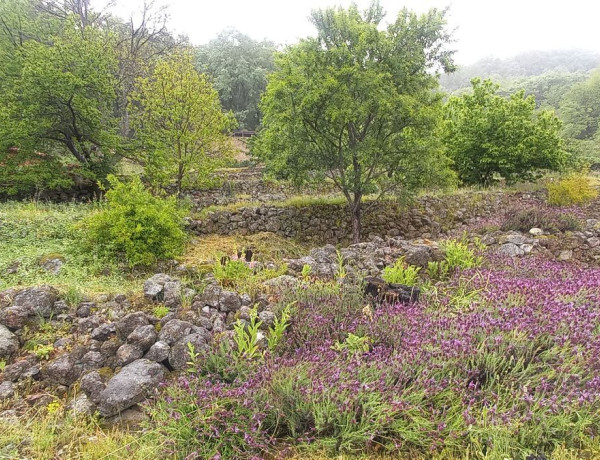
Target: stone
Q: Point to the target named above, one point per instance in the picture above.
(282, 282)
(154, 286)
(536, 231)
(229, 301)
(129, 323)
(60, 307)
(175, 330)
(9, 343)
(88, 324)
(14, 317)
(131, 418)
(103, 332)
(92, 385)
(63, 370)
(7, 390)
(527, 248)
(179, 354)
(15, 371)
(143, 337)
(511, 249)
(158, 352)
(52, 265)
(565, 255)
(93, 360)
(211, 295)
(172, 293)
(84, 309)
(132, 385)
(267, 317)
(594, 242)
(515, 238)
(81, 405)
(109, 347)
(127, 353)
(38, 300)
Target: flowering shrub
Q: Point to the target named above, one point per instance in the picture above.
(574, 189)
(514, 374)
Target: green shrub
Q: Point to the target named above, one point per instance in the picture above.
(229, 272)
(136, 225)
(458, 255)
(401, 273)
(574, 189)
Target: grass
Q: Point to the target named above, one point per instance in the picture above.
(31, 232)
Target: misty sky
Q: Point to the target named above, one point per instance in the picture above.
(498, 28)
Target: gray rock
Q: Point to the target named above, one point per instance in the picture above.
(7, 390)
(103, 332)
(211, 295)
(129, 323)
(536, 231)
(153, 287)
(246, 300)
(175, 330)
(15, 317)
(9, 343)
(53, 265)
(527, 248)
(229, 301)
(158, 352)
(38, 300)
(515, 238)
(172, 293)
(84, 309)
(63, 370)
(93, 360)
(267, 318)
(85, 325)
(594, 242)
(282, 282)
(134, 383)
(60, 307)
(511, 249)
(128, 353)
(565, 255)
(179, 354)
(109, 348)
(81, 405)
(143, 337)
(93, 385)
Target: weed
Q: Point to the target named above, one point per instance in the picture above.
(354, 344)
(160, 311)
(246, 337)
(277, 330)
(401, 273)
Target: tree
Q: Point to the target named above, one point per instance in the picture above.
(357, 104)
(239, 67)
(61, 95)
(489, 136)
(580, 109)
(177, 119)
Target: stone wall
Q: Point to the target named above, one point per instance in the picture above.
(428, 217)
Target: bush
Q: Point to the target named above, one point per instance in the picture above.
(136, 225)
(401, 273)
(458, 255)
(523, 221)
(574, 189)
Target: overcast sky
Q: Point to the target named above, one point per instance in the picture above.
(499, 28)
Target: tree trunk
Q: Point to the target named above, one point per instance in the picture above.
(356, 227)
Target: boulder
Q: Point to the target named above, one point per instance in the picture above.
(129, 323)
(38, 300)
(81, 405)
(175, 330)
(14, 317)
(103, 332)
(9, 343)
(64, 370)
(132, 385)
(7, 390)
(143, 337)
(179, 355)
(229, 301)
(127, 353)
(158, 352)
(153, 287)
(172, 293)
(511, 249)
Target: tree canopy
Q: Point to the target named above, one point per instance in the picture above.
(179, 123)
(357, 103)
(239, 67)
(489, 136)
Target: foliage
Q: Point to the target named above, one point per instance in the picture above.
(489, 136)
(62, 96)
(354, 344)
(306, 271)
(546, 219)
(401, 273)
(246, 336)
(457, 254)
(136, 226)
(574, 189)
(438, 270)
(278, 329)
(344, 105)
(160, 311)
(179, 124)
(239, 67)
(230, 271)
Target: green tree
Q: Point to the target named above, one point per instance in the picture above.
(489, 136)
(239, 67)
(357, 104)
(580, 109)
(177, 119)
(61, 96)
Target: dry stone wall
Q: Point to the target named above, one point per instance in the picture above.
(429, 217)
